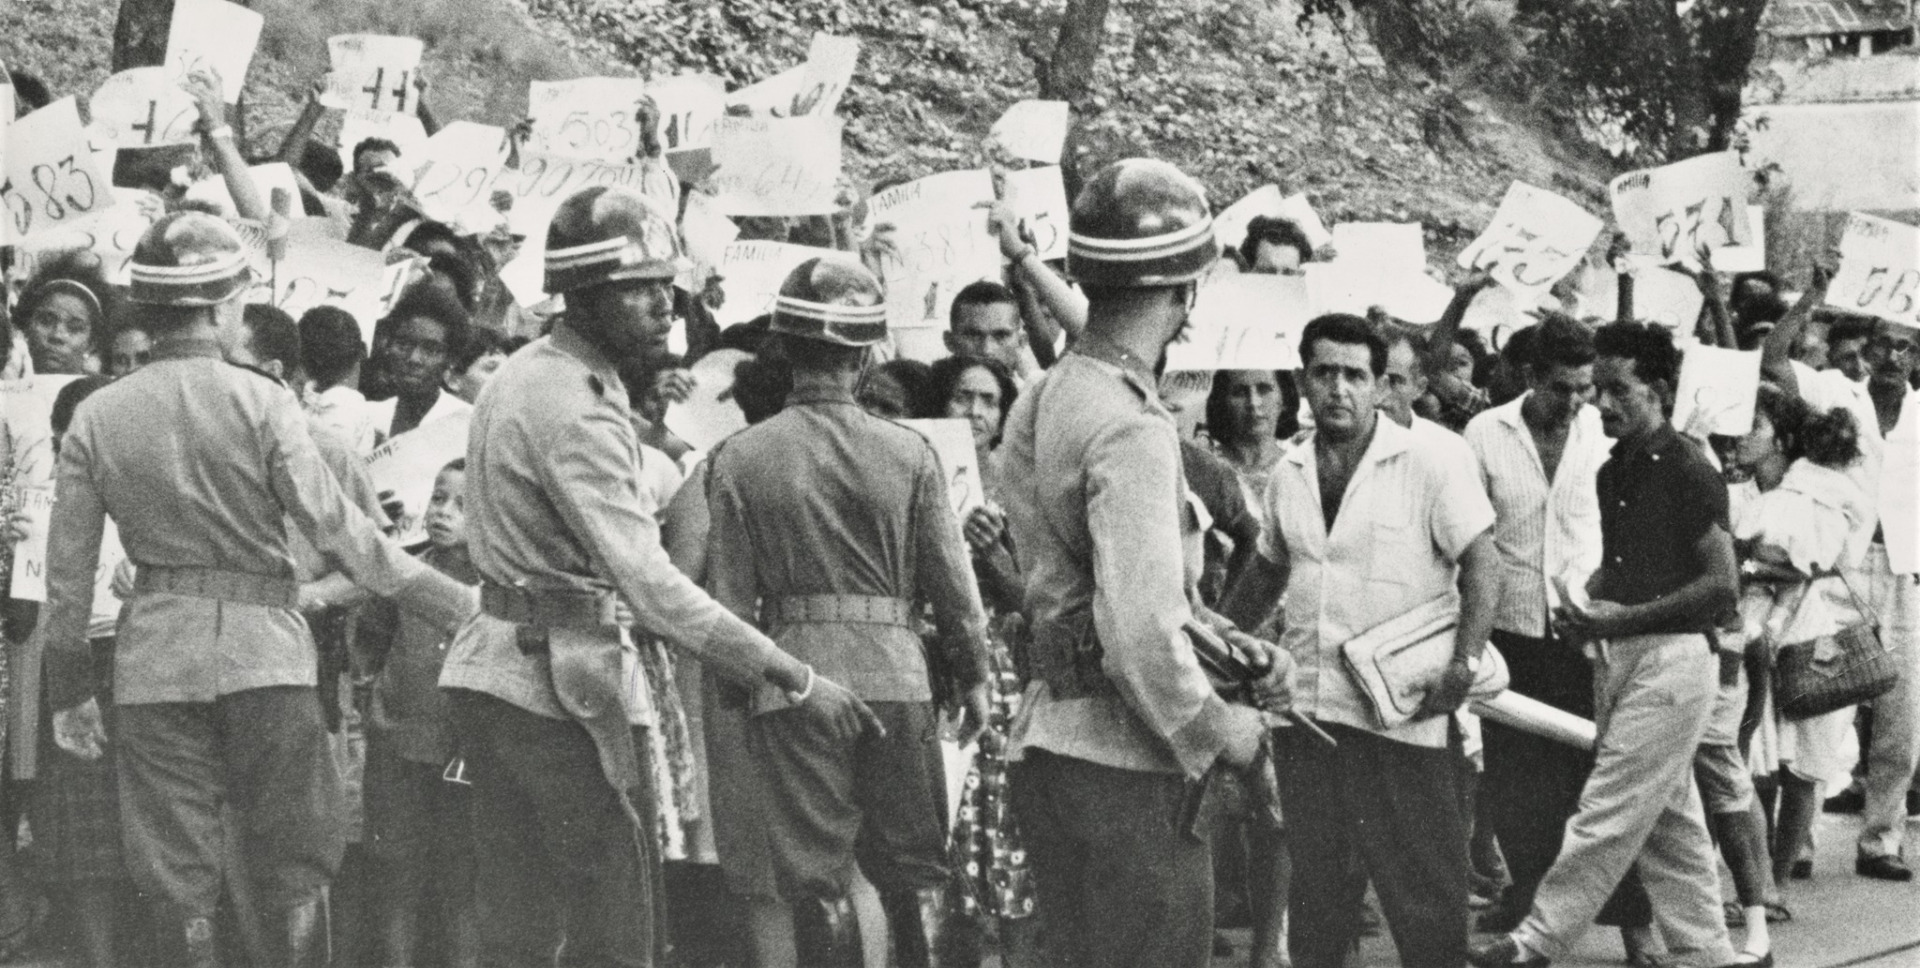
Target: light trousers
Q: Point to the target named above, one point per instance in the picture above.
(1894, 752)
(1653, 695)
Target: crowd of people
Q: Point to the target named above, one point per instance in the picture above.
(772, 700)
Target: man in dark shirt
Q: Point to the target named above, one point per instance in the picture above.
(1667, 571)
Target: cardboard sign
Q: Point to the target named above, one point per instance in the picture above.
(1386, 249)
(1900, 490)
(28, 405)
(406, 466)
(1668, 298)
(751, 274)
(776, 166)
(213, 35)
(1879, 270)
(1244, 321)
(1032, 131)
(772, 97)
(143, 107)
(321, 269)
(49, 179)
(940, 243)
(1038, 197)
(709, 415)
(1230, 226)
(110, 234)
(812, 89)
(1669, 212)
(29, 582)
(591, 117)
(706, 234)
(526, 277)
(1751, 257)
(952, 440)
(266, 178)
(543, 181)
(457, 167)
(404, 130)
(1719, 386)
(1536, 237)
(374, 72)
(689, 104)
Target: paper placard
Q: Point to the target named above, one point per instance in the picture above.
(1669, 212)
(28, 404)
(1230, 226)
(1668, 298)
(706, 234)
(952, 440)
(1244, 321)
(940, 243)
(1032, 130)
(1751, 257)
(374, 72)
(457, 167)
(1038, 197)
(829, 68)
(751, 274)
(771, 97)
(29, 583)
(1720, 384)
(1879, 271)
(266, 178)
(405, 466)
(321, 269)
(689, 104)
(143, 107)
(1385, 249)
(1536, 237)
(213, 35)
(776, 166)
(590, 117)
(1344, 286)
(1900, 490)
(542, 182)
(49, 179)
(709, 415)
(110, 234)
(404, 130)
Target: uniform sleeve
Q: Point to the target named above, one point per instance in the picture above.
(313, 499)
(728, 549)
(944, 576)
(1459, 509)
(590, 473)
(73, 556)
(1139, 599)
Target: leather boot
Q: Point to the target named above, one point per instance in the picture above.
(202, 945)
(929, 933)
(826, 934)
(306, 935)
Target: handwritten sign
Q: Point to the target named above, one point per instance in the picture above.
(811, 89)
(49, 179)
(751, 274)
(543, 181)
(1230, 226)
(407, 464)
(1535, 238)
(404, 130)
(144, 107)
(709, 415)
(706, 233)
(1718, 386)
(1244, 321)
(374, 72)
(457, 167)
(30, 554)
(213, 35)
(1900, 490)
(1751, 257)
(1671, 211)
(952, 440)
(591, 117)
(321, 269)
(771, 97)
(776, 166)
(940, 243)
(1038, 198)
(28, 405)
(110, 234)
(689, 104)
(1666, 297)
(1032, 131)
(266, 178)
(1879, 270)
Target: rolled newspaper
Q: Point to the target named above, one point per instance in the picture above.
(1533, 716)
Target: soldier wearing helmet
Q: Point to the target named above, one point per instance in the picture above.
(569, 551)
(1121, 726)
(199, 463)
(830, 526)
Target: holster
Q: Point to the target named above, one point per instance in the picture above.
(586, 667)
(1066, 655)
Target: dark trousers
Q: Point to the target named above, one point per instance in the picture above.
(879, 802)
(558, 859)
(1124, 879)
(1374, 809)
(262, 756)
(1532, 784)
(420, 831)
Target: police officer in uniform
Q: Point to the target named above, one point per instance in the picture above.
(830, 526)
(200, 463)
(1121, 726)
(563, 536)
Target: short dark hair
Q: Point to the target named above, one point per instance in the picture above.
(1279, 231)
(481, 341)
(1851, 327)
(435, 303)
(1394, 334)
(761, 384)
(984, 292)
(67, 401)
(1830, 438)
(330, 344)
(914, 378)
(818, 356)
(1559, 340)
(321, 166)
(944, 379)
(1649, 348)
(1348, 329)
(273, 335)
(373, 144)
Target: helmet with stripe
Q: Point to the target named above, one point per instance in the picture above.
(1140, 223)
(605, 234)
(188, 259)
(833, 300)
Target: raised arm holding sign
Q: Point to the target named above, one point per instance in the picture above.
(1536, 237)
(1668, 213)
(1038, 198)
(213, 35)
(1879, 270)
(374, 72)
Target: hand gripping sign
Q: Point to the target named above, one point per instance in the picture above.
(1670, 212)
(1536, 237)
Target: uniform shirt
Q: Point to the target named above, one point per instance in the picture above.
(553, 502)
(1412, 507)
(1543, 529)
(200, 463)
(826, 499)
(350, 472)
(1095, 498)
(1658, 497)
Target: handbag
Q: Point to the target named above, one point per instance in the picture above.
(1835, 671)
(1395, 662)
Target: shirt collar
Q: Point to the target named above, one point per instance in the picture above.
(1389, 439)
(1509, 413)
(1107, 351)
(187, 348)
(1661, 440)
(820, 394)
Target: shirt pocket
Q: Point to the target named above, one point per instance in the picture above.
(1391, 535)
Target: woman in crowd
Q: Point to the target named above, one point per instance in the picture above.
(63, 315)
(1251, 416)
(896, 389)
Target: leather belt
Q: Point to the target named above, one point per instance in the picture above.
(549, 608)
(863, 609)
(238, 587)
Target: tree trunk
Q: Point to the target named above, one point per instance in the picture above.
(1729, 39)
(1068, 74)
(140, 34)
(1686, 89)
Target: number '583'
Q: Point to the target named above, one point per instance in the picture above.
(58, 192)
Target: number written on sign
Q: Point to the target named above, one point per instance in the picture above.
(58, 192)
(452, 184)
(549, 177)
(1680, 230)
(1894, 293)
(1518, 249)
(396, 95)
(608, 132)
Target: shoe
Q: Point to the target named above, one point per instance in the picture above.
(1886, 867)
(1751, 961)
(1802, 870)
(1499, 919)
(1735, 915)
(1849, 800)
(1504, 952)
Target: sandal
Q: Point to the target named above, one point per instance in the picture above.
(1736, 916)
(1777, 913)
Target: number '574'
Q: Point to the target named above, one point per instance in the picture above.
(58, 192)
